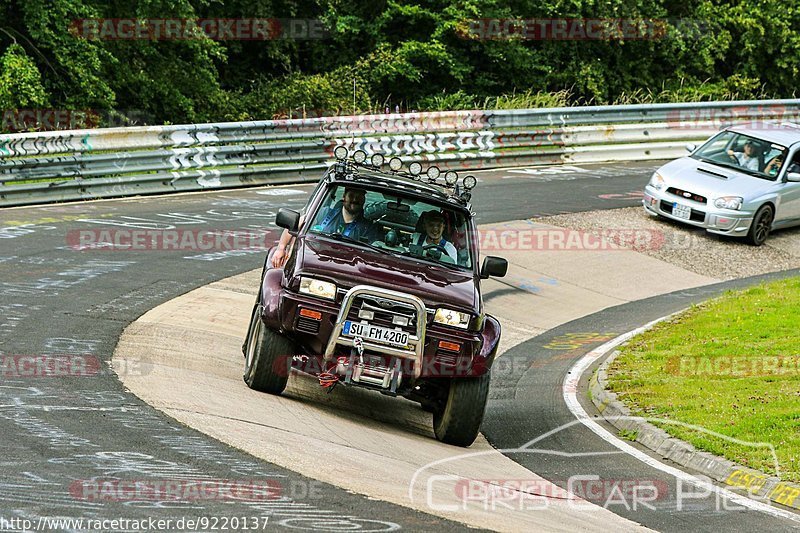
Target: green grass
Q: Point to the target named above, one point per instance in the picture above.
(729, 366)
(628, 435)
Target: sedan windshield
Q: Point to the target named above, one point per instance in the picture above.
(396, 224)
(744, 153)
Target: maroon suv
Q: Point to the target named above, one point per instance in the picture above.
(381, 290)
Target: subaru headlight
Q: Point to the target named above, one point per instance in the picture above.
(728, 202)
(448, 317)
(657, 181)
(318, 288)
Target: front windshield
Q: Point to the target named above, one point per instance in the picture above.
(395, 224)
(744, 153)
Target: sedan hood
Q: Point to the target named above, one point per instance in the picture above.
(352, 265)
(711, 181)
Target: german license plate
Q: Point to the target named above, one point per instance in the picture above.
(681, 211)
(375, 333)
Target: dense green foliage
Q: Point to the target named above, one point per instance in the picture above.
(418, 55)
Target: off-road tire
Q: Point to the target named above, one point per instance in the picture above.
(267, 356)
(458, 420)
(428, 407)
(761, 225)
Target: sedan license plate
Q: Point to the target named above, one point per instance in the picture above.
(681, 211)
(375, 333)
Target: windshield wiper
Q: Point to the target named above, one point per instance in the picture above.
(720, 164)
(344, 238)
(731, 166)
(428, 259)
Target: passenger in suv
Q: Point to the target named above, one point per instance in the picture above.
(432, 223)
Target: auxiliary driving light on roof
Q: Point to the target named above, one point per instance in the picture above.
(360, 156)
(433, 173)
(377, 160)
(395, 164)
(469, 182)
(340, 152)
(415, 169)
(451, 177)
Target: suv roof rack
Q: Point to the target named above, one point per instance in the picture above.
(452, 188)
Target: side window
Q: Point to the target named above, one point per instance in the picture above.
(794, 165)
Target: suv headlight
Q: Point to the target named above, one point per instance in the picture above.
(728, 202)
(656, 181)
(318, 288)
(448, 317)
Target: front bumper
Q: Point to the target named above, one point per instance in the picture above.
(421, 358)
(706, 216)
(415, 347)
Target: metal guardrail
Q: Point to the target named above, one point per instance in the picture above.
(84, 164)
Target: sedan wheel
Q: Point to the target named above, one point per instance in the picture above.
(762, 224)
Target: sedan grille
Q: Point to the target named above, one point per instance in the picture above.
(687, 194)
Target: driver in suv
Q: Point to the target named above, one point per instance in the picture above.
(345, 217)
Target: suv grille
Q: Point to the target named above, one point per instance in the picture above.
(384, 311)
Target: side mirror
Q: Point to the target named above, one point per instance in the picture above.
(793, 177)
(690, 147)
(493, 266)
(287, 218)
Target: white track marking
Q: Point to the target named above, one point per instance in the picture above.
(569, 390)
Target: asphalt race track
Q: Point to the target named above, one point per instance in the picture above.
(63, 436)
(528, 407)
